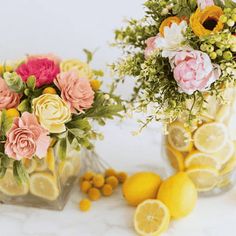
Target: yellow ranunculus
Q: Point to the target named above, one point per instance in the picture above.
(203, 22)
(52, 112)
(84, 70)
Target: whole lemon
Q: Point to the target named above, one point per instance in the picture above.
(179, 194)
(140, 187)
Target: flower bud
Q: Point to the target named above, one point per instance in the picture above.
(14, 82)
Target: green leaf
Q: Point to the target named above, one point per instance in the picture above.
(62, 149)
(24, 106)
(79, 123)
(77, 132)
(31, 82)
(19, 172)
(89, 55)
(2, 171)
(98, 73)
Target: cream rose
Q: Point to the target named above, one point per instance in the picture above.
(52, 112)
(82, 68)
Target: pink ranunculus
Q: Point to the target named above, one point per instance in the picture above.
(43, 69)
(8, 98)
(77, 92)
(202, 4)
(27, 138)
(151, 46)
(49, 56)
(193, 71)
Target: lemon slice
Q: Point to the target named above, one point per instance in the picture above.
(50, 159)
(74, 158)
(179, 137)
(176, 158)
(66, 170)
(232, 127)
(204, 178)
(44, 185)
(10, 187)
(197, 158)
(210, 137)
(151, 218)
(223, 113)
(224, 181)
(225, 153)
(229, 166)
(29, 165)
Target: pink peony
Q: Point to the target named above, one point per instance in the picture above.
(26, 138)
(193, 71)
(43, 69)
(151, 46)
(49, 56)
(205, 3)
(8, 99)
(77, 92)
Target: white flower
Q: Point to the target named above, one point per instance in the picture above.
(172, 39)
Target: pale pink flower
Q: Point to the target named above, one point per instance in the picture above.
(8, 98)
(75, 91)
(44, 70)
(205, 3)
(27, 138)
(151, 46)
(193, 71)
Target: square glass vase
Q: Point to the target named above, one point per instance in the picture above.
(50, 181)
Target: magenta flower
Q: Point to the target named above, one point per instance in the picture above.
(43, 69)
(27, 138)
(77, 92)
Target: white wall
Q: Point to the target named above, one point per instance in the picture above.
(63, 27)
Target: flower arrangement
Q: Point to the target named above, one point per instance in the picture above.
(181, 52)
(47, 102)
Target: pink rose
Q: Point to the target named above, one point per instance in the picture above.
(49, 56)
(8, 99)
(26, 138)
(151, 46)
(77, 92)
(205, 3)
(193, 71)
(44, 70)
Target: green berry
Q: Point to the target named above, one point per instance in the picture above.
(227, 55)
(219, 52)
(227, 10)
(223, 18)
(233, 48)
(210, 48)
(203, 47)
(230, 23)
(234, 17)
(213, 55)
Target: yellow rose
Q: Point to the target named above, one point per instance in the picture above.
(52, 112)
(84, 70)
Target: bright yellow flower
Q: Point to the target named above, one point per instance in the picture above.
(49, 90)
(52, 112)
(83, 69)
(204, 22)
(95, 84)
(168, 22)
(12, 113)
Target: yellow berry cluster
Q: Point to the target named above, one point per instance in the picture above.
(96, 185)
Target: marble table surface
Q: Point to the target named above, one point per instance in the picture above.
(214, 216)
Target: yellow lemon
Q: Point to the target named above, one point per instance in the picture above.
(49, 90)
(44, 185)
(176, 158)
(179, 194)
(210, 137)
(223, 113)
(204, 178)
(201, 159)
(10, 187)
(50, 159)
(30, 165)
(141, 186)
(229, 166)
(151, 218)
(66, 170)
(12, 113)
(179, 137)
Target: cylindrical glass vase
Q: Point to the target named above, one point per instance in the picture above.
(206, 150)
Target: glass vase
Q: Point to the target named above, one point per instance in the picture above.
(206, 149)
(50, 181)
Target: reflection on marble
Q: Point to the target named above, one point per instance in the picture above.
(111, 216)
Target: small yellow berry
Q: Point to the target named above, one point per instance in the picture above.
(88, 175)
(113, 181)
(95, 84)
(13, 112)
(85, 186)
(122, 176)
(85, 205)
(110, 172)
(94, 194)
(107, 190)
(49, 90)
(98, 180)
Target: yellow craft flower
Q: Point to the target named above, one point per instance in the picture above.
(95, 84)
(84, 70)
(203, 22)
(52, 112)
(168, 22)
